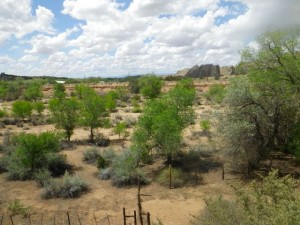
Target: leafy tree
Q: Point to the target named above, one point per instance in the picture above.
(22, 108)
(65, 114)
(93, 108)
(32, 149)
(39, 107)
(150, 86)
(263, 107)
(33, 92)
(59, 91)
(120, 129)
(160, 126)
(110, 101)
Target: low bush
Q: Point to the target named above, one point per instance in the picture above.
(125, 171)
(17, 208)
(108, 155)
(42, 177)
(178, 177)
(57, 164)
(16, 171)
(70, 186)
(91, 155)
(101, 163)
(105, 174)
(101, 140)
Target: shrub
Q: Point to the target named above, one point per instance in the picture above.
(101, 163)
(70, 186)
(125, 171)
(57, 164)
(102, 140)
(105, 174)
(16, 171)
(216, 93)
(22, 108)
(205, 125)
(91, 155)
(17, 208)
(178, 177)
(3, 163)
(42, 177)
(108, 155)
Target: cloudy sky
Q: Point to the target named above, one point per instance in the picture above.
(104, 38)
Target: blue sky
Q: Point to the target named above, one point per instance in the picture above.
(109, 38)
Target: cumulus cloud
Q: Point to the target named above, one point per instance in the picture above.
(16, 19)
(148, 36)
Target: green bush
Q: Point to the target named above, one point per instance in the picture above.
(91, 155)
(125, 171)
(178, 177)
(17, 208)
(17, 171)
(101, 163)
(70, 186)
(42, 177)
(272, 201)
(216, 93)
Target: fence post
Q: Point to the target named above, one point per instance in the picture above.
(124, 216)
(54, 218)
(69, 222)
(29, 219)
(223, 172)
(140, 205)
(107, 219)
(1, 219)
(170, 176)
(11, 220)
(79, 219)
(148, 218)
(135, 222)
(95, 218)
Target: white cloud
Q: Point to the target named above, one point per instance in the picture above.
(149, 36)
(16, 19)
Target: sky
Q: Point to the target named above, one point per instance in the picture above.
(109, 38)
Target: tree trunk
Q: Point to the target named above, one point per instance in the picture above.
(92, 135)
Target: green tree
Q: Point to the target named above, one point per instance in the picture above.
(65, 113)
(121, 130)
(39, 107)
(59, 91)
(22, 108)
(93, 108)
(263, 107)
(33, 92)
(32, 149)
(150, 86)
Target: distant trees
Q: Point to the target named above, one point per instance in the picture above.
(65, 113)
(263, 108)
(160, 126)
(22, 108)
(92, 109)
(150, 86)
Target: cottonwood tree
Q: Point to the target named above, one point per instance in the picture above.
(160, 126)
(263, 107)
(92, 109)
(65, 113)
(150, 86)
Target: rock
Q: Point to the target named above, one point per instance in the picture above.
(208, 70)
(182, 72)
(228, 70)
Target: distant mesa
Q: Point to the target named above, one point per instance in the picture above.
(206, 70)
(4, 76)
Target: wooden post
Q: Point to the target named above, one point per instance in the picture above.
(148, 218)
(107, 219)
(1, 219)
(140, 205)
(95, 218)
(124, 216)
(78, 219)
(29, 219)
(69, 222)
(223, 172)
(170, 176)
(42, 219)
(134, 215)
(54, 218)
(196, 178)
(11, 220)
